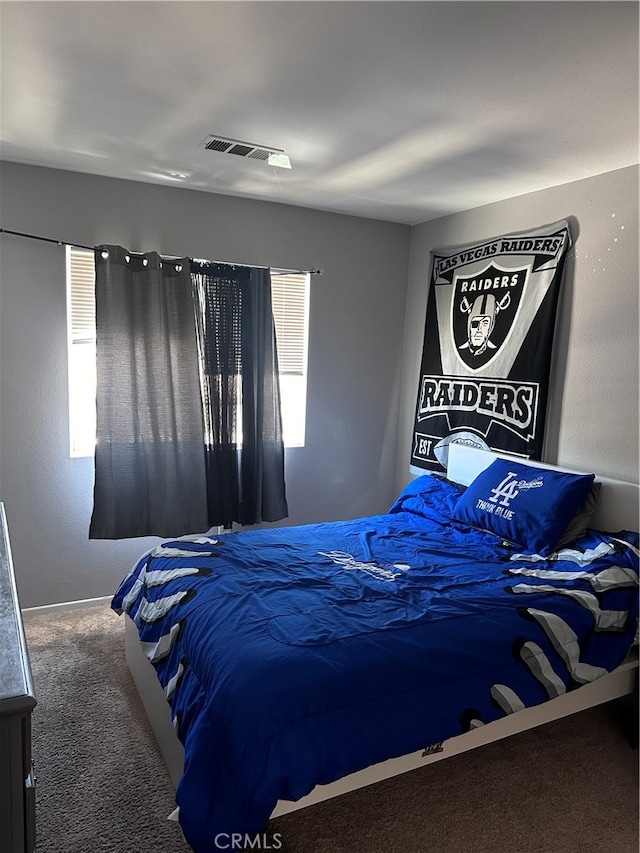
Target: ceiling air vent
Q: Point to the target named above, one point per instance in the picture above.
(272, 156)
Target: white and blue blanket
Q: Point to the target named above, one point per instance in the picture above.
(292, 657)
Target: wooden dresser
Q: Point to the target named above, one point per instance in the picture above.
(17, 701)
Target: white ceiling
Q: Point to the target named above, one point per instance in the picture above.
(401, 111)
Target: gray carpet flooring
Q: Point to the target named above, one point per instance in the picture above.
(568, 787)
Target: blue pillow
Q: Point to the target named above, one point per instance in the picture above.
(528, 506)
(429, 497)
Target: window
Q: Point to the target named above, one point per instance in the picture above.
(290, 298)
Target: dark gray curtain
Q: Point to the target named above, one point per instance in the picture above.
(241, 395)
(150, 459)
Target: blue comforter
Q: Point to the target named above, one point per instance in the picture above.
(294, 656)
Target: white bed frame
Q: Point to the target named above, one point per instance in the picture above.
(618, 509)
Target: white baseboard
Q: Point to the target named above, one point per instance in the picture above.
(103, 601)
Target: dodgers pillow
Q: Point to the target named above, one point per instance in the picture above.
(526, 505)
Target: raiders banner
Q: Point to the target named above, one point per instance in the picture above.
(487, 345)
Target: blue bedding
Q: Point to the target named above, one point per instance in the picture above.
(294, 656)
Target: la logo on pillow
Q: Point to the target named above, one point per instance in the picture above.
(502, 495)
(528, 506)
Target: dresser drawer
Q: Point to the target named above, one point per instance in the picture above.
(27, 763)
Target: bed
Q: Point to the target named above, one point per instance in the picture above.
(281, 667)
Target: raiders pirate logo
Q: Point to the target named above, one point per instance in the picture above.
(484, 307)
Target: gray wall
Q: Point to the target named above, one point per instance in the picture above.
(593, 404)
(346, 469)
(364, 354)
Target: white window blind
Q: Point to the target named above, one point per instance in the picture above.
(289, 304)
(83, 301)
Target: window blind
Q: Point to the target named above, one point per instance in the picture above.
(289, 305)
(83, 299)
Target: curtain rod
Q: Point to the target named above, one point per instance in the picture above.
(312, 271)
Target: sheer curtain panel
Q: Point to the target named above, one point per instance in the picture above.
(150, 457)
(241, 394)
